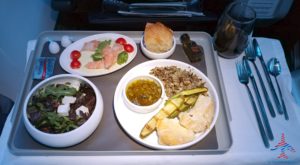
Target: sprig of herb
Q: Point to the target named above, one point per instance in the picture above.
(57, 90)
(122, 57)
(98, 55)
(60, 124)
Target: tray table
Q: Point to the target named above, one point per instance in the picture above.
(109, 138)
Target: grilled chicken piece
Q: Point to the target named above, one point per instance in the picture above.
(170, 132)
(172, 105)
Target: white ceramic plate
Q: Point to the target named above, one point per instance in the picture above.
(65, 59)
(133, 122)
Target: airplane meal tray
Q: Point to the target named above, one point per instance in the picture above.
(109, 138)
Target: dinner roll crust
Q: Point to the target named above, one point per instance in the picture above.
(158, 38)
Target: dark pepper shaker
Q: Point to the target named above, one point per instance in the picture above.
(191, 49)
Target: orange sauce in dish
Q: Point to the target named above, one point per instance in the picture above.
(143, 92)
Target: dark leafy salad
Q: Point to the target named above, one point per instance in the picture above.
(59, 108)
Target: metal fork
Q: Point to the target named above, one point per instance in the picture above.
(244, 79)
(260, 103)
(251, 57)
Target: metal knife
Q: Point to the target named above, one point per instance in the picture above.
(174, 5)
(264, 66)
(157, 14)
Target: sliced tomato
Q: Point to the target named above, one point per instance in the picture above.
(75, 64)
(75, 54)
(128, 48)
(121, 41)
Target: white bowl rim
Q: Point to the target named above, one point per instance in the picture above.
(154, 55)
(144, 109)
(44, 82)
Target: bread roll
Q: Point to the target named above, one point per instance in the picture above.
(170, 132)
(158, 38)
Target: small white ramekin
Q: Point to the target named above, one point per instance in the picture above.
(153, 55)
(139, 108)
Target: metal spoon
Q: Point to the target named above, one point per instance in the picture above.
(274, 69)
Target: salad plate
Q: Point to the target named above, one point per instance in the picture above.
(132, 122)
(46, 117)
(87, 55)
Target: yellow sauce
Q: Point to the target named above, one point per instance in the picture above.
(143, 92)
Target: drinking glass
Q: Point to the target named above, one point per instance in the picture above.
(234, 29)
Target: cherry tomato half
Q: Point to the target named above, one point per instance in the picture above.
(75, 64)
(75, 54)
(128, 48)
(121, 41)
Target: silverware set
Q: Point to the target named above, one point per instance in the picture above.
(246, 75)
(160, 9)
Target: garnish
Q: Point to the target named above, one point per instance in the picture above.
(98, 55)
(122, 57)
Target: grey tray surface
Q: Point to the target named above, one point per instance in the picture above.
(109, 138)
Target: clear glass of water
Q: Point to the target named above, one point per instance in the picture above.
(234, 29)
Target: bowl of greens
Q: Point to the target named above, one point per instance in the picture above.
(63, 110)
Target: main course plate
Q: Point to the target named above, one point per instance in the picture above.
(133, 122)
(65, 59)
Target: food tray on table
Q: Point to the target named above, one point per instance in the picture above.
(109, 138)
